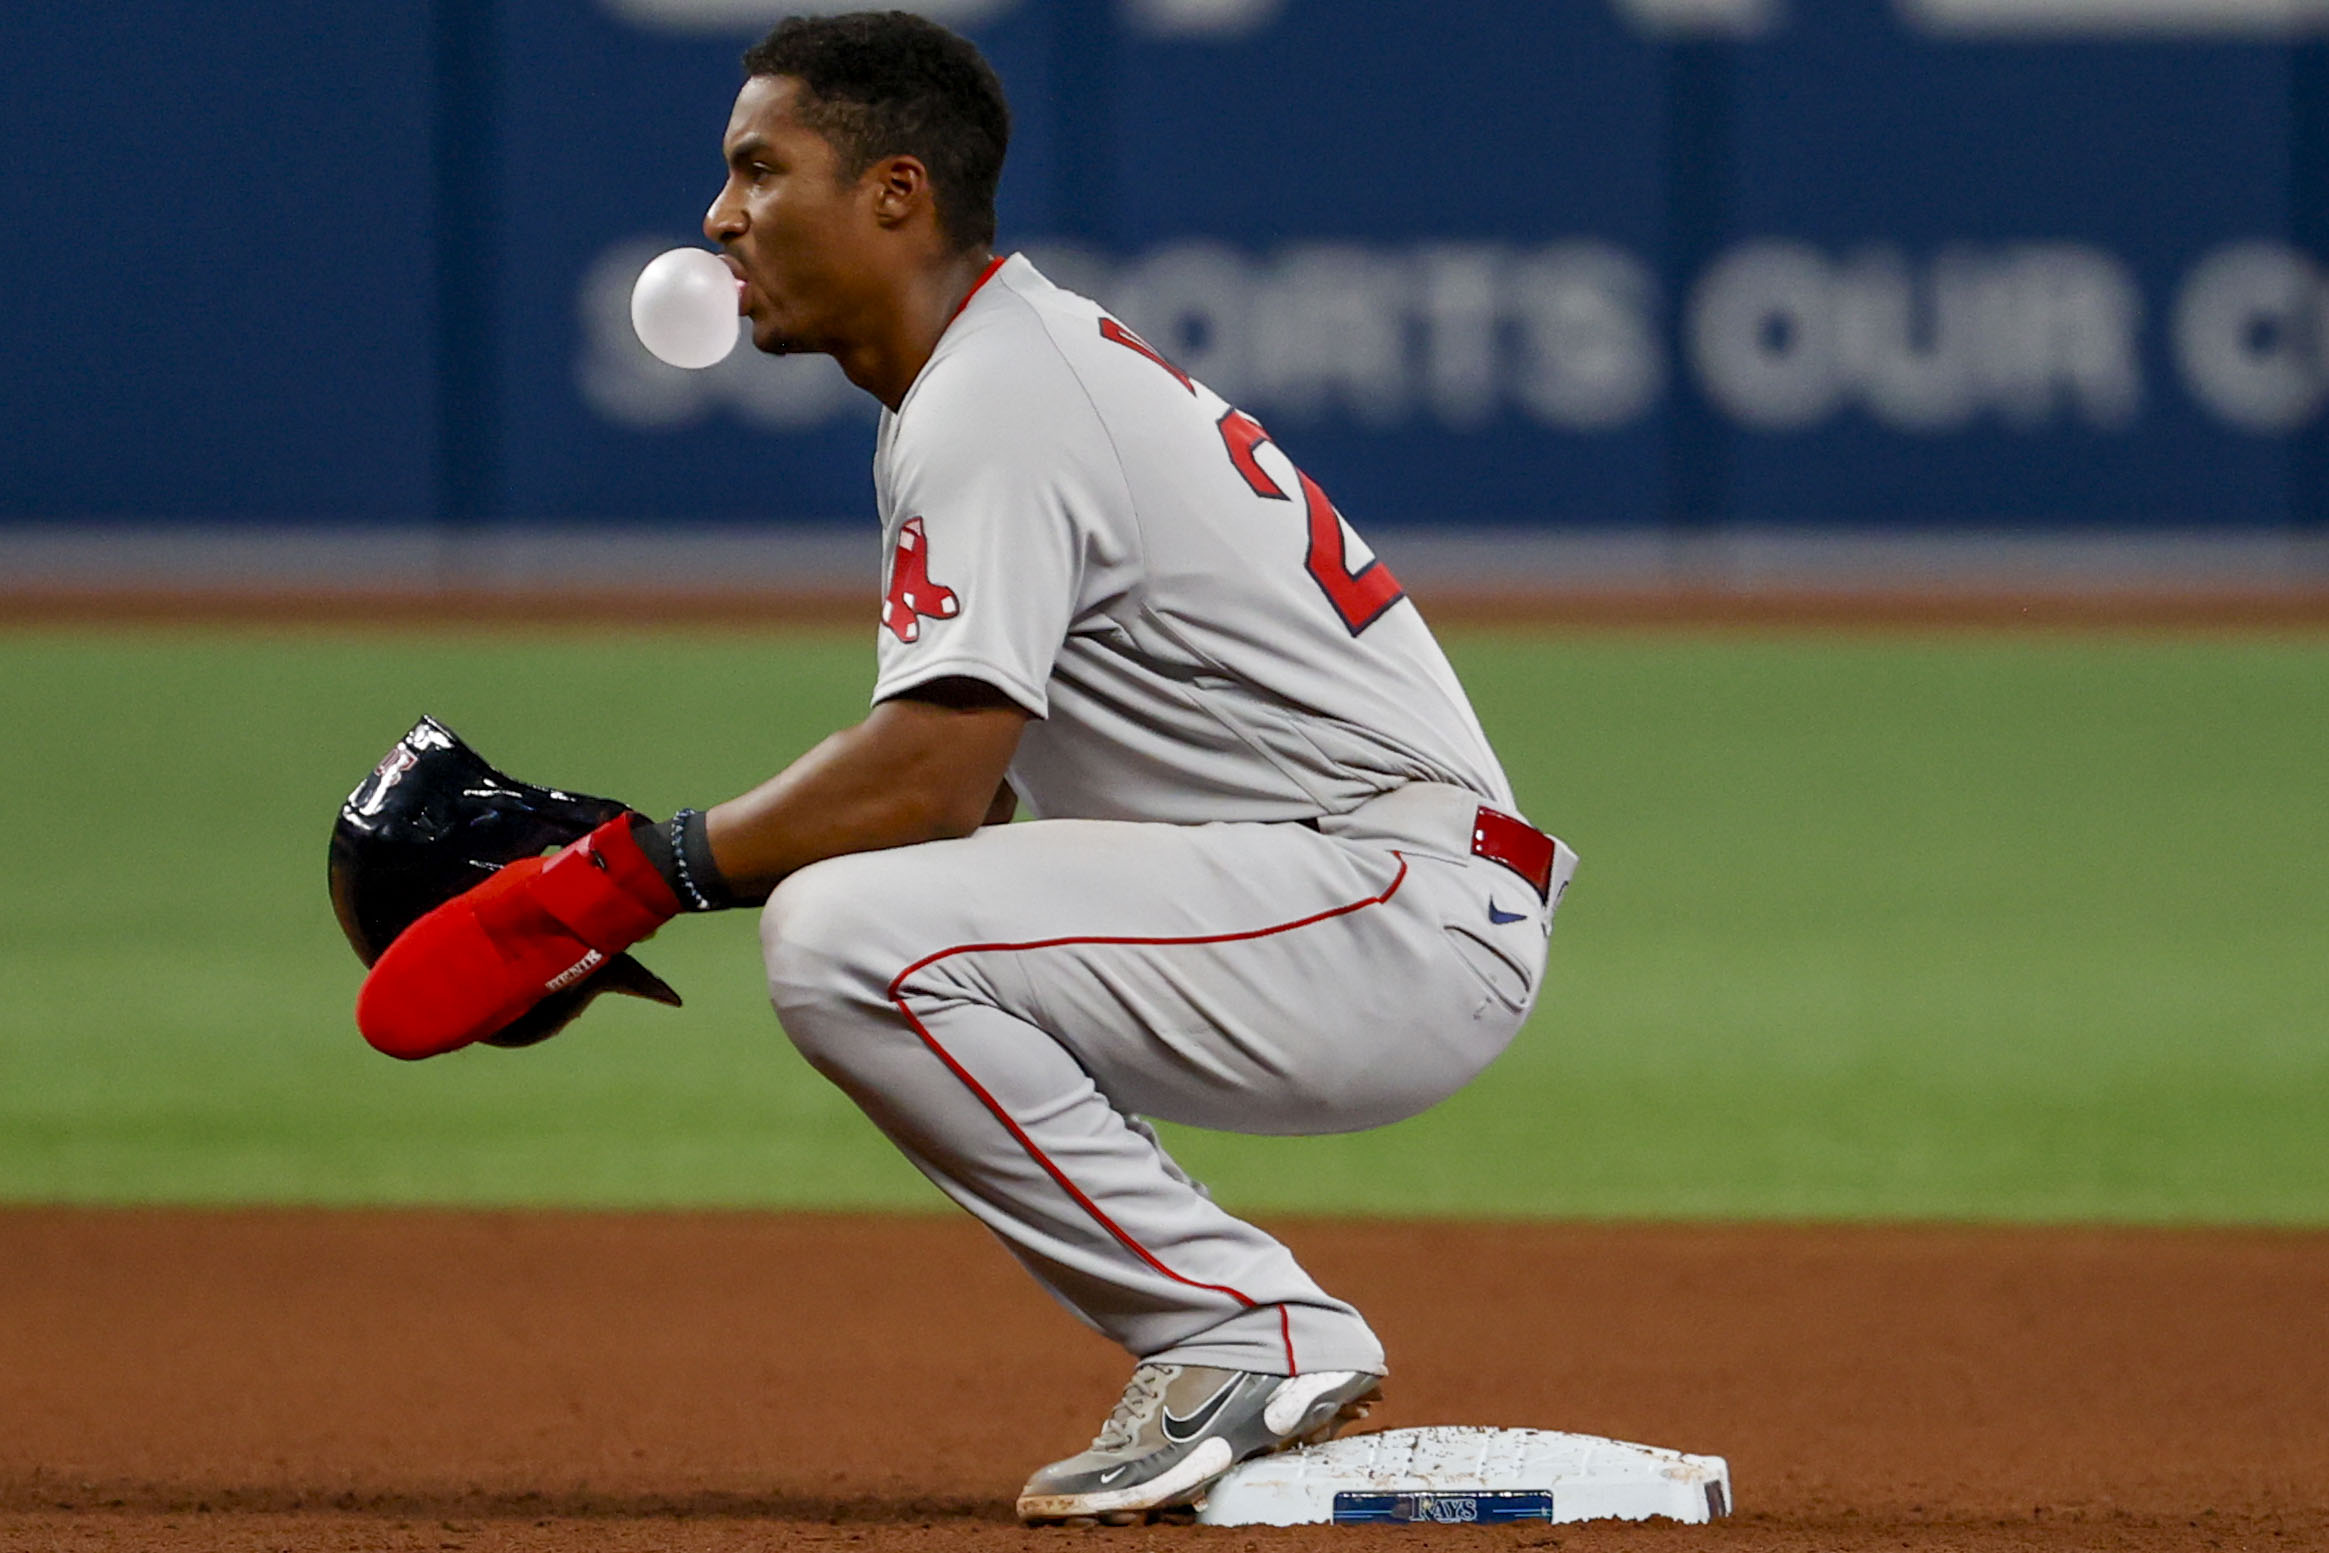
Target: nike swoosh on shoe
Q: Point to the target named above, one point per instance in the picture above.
(1182, 1430)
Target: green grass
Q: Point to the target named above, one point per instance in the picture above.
(1956, 927)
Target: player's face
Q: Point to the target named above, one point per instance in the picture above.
(794, 230)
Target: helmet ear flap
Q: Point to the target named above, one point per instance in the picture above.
(433, 819)
(560, 1009)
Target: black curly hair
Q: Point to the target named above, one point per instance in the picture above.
(888, 83)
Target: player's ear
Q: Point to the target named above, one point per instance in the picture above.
(901, 186)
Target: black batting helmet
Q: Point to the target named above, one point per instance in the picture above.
(433, 819)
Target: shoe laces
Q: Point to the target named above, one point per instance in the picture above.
(1143, 1394)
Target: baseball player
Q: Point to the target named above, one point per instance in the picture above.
(1274, 879)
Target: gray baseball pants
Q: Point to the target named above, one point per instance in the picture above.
(1006, 1007)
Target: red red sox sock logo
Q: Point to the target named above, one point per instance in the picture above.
(912, 594)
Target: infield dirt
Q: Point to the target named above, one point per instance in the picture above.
(441, 1381)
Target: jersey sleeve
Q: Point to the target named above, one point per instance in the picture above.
(992, 509)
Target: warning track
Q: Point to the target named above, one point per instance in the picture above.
(2300, 609)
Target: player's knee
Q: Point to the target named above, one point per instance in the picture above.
(821, 937)
(837, 936)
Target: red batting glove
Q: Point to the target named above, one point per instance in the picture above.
(483, 958)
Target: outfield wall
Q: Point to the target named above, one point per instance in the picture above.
(1697, 270)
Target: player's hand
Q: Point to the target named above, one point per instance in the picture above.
(479, 961)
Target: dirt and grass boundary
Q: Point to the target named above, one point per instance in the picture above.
(426, 1379)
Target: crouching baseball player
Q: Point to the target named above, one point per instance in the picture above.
(1274, 880)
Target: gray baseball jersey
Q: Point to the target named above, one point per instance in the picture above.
(1203, 642)
(1073, 520)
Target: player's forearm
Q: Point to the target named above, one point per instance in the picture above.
(912, 772)
(829, 802)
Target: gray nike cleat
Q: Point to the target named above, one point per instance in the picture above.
(1178, 1428)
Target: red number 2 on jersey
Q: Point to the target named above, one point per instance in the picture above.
(1359, 597)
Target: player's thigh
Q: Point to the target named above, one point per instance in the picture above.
(1354, 1006)
(1255, 977)
(862, 919)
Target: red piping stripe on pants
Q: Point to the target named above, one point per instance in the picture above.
(1019, 1134)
